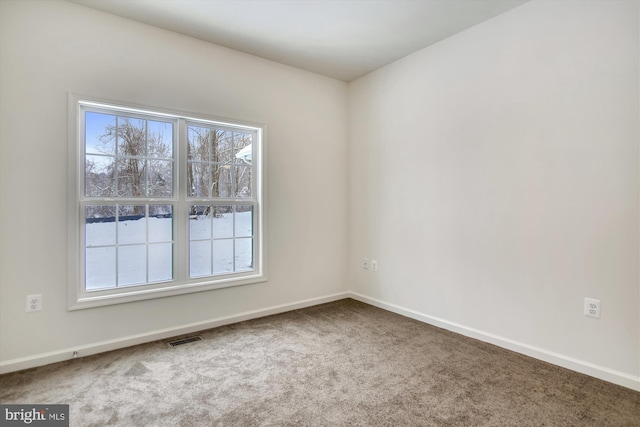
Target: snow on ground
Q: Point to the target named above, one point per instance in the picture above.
(213, 249)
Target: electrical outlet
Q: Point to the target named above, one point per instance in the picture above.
(592, 307)
(34, 303)
(365, 263)
(374, 265)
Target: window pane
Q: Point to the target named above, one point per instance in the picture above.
(242, 147)
(100, 225)
(132, 224)
(222, 221)
(160, 223)
(160, 178)
(99, 130)
(132, 264)
(243, 181)
(98, 176)
(244, 221)
(199, 179)
(131, 178)
(159, 139)
(198, 144)
(100, 268)
(244, 254)
(199, 223)
(222, 181)
(222, 146)
(222, 256)
(131, 137)
(130, 210)
(245, 156)
(164, 211)
(160, 262)
(200, 258)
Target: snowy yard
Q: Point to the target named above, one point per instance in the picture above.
(139, 251)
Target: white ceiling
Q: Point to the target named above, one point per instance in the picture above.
(343, 39)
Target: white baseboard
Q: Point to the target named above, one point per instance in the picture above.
(571, 363)
(100, 347)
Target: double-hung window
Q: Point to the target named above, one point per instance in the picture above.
(162, 204)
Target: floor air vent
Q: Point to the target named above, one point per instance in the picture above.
(186, 340)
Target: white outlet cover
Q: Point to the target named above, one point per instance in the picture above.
(34, 303)
(592, 307)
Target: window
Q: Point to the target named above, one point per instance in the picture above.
(163, 204)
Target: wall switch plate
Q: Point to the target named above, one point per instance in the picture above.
(374, 265)
(34, 303)
(592, 307)
(365, 263)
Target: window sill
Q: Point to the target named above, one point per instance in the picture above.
(142, 293)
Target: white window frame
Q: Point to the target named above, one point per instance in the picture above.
(78, 296)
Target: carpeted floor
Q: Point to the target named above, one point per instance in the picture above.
(338, 364)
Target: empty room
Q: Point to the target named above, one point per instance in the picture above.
(320, 212)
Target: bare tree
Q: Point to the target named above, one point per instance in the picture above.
(131, 142)
(140, 167)
(209, 159)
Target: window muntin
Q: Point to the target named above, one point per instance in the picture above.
(221, 239)
(127, 156)
(215, 168)
(167, 204)
(127, 245)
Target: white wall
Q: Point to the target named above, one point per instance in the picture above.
(50, 48)
(494, 176)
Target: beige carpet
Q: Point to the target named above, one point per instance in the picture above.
(338, 364)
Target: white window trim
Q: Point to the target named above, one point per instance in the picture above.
(77, 296)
